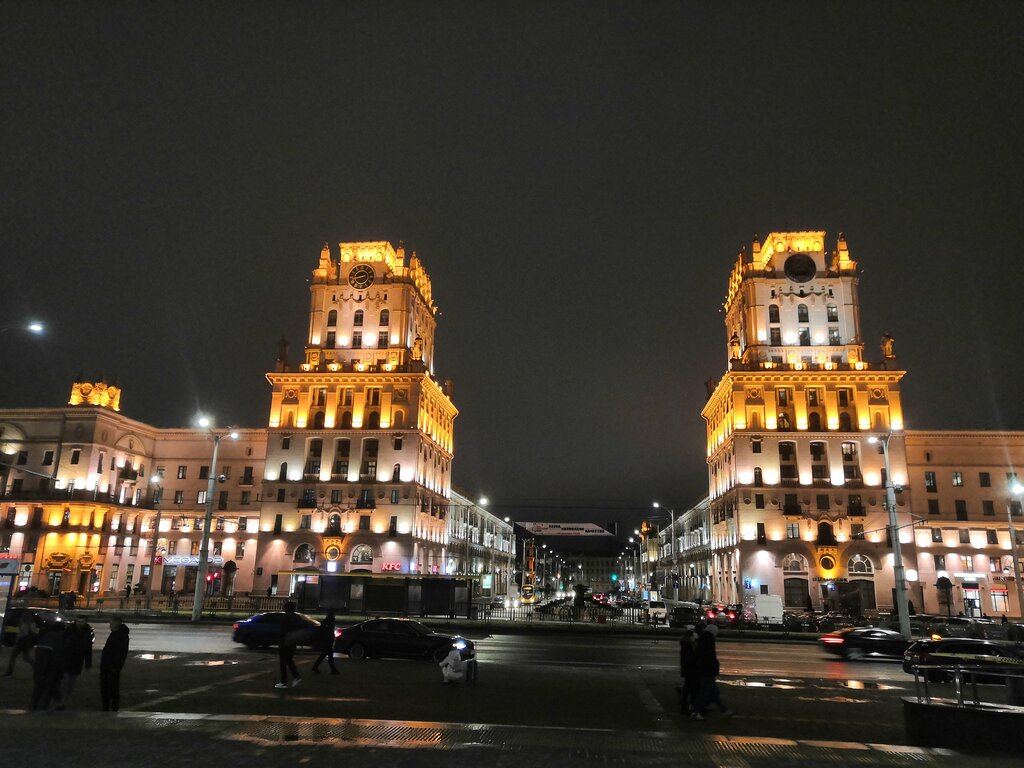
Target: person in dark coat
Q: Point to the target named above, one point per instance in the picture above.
(286, 646)
(325, 643)
(79, 655)
(112, 659)
(688, 670)
(708, 669)
(48, 667)
(28, 634)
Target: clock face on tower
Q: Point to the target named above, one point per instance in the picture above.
(361, 276)
(800, 268)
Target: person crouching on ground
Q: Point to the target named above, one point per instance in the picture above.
(452, 666)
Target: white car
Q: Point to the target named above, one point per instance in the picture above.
(657, 612)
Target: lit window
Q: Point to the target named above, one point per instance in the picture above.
(958, 479)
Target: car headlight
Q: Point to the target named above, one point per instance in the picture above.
(460, 644)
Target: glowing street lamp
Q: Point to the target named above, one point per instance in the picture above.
(204, 547)
(34, 327)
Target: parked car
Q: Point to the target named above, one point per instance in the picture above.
(657, 612)
(728, 615)
(800, 621)
(967, 652)
(854, 643)
(833, 620)
(264, 630)
(688, 615)
(399, 638)
(43, 617)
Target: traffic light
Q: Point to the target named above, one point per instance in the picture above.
(615, 577)
(209, 578)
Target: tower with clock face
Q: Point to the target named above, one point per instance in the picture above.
(360, 443)
(795, 483)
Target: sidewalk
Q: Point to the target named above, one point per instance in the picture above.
(73, 739)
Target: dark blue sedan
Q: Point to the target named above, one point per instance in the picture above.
(264, 630)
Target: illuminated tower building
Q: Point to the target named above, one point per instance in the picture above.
(359, 452)
(796, 489)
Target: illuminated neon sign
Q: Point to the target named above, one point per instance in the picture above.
(391, 566)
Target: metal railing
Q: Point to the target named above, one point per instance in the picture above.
(1012, 679)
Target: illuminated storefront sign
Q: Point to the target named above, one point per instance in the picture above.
(191, 560)
(391, 566)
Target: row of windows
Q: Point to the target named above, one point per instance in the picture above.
(988, 508)
(357, 318)
(803, 313)
(931, 482)
(357, 340)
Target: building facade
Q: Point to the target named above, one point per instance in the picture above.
(352, 473)
(796, 434)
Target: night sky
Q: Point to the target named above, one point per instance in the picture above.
(577, 178)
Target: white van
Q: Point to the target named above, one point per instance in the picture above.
(657, 612)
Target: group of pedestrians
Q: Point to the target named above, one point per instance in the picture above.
(293, 632)
(698, 664)
(59, 652)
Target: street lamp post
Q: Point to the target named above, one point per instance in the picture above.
(894, 534)
(152, 552)
(204, 547)
(1018, 490)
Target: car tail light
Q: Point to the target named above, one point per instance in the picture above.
(732, 615)
(235, 625)
(711, 614)
(833, 640)
(337, 633)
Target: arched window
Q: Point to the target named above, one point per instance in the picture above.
(845, 422)
(782, 422)
(373, 420)
(396, 473)
(814, 421)
(398, 419)
(802, 316)
(318, 420)
(304, 554)
(758, 477)
(334, 523)
(357, 319)
(773, 313)
(332, 318)
(859, 564)
(385, 316)
(755, 420)
(362, 555)
(794, 563)
(283, 474)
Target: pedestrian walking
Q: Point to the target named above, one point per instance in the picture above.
(325, 643)
(112, 659)
(127, 594)
(708, 669)
(28, 634)
(688, 671)
(79, 656)
(287, 641)
(48, 665)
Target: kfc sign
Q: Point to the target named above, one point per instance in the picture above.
(391, 566)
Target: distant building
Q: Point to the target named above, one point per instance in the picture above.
(351, 475)
(796, 466)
